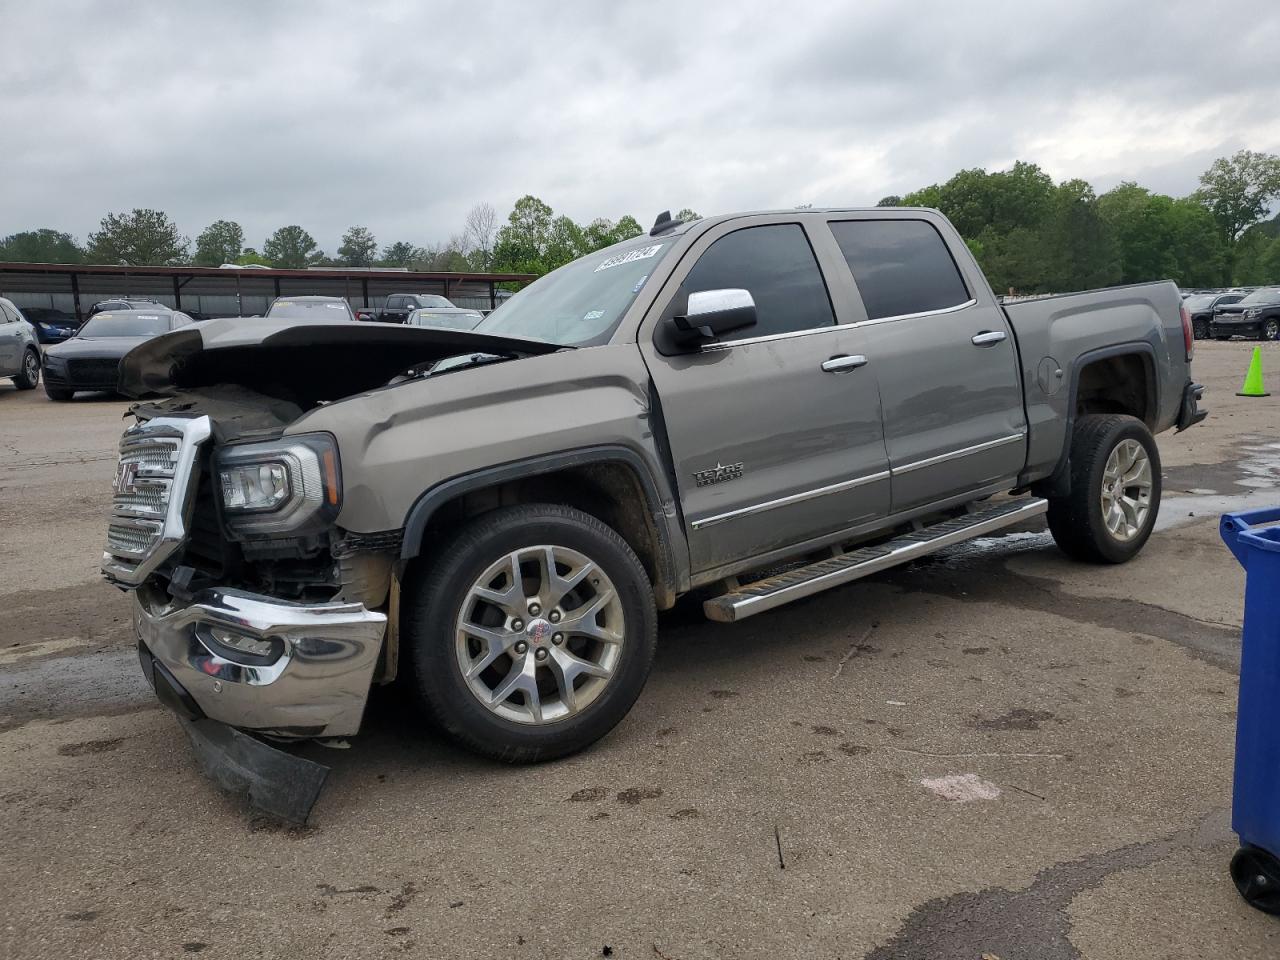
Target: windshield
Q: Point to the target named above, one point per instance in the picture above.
(1265, 295)
(431, 300)
(125, 325)
(1200, 301)
(310, 310)
(462, 320)
(581, 303)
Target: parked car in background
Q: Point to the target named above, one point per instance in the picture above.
(310, 308)
(52, 325)
(19, 347)
(1201, 307)
(1256, 315)
(447, 318)
(400, 305)
(365, 314)
(91, 359)
(128, 303)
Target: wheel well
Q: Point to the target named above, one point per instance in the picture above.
(1121, 384)
(608, 490)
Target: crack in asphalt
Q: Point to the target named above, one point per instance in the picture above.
(1032, 922)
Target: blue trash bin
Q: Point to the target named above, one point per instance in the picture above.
(1255, 805)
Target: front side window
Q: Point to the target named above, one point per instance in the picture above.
(776, 265)
(900, 266)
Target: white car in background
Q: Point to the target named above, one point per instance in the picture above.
(445, 316)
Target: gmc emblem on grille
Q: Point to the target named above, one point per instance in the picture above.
(126, 474)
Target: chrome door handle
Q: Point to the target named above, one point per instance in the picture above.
(843, 363)
(987, 337)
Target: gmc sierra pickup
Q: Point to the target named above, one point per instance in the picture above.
(757, 407)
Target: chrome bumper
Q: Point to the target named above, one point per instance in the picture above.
(316, 687)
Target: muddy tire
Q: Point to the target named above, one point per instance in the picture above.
(531, 634)
(1115, 490)
(29, 375)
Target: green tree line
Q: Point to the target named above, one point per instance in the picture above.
(533, 240)
(1032, 235)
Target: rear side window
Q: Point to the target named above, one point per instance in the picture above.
(900, 266)
(776, 264)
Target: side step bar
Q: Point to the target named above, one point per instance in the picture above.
(753, 598)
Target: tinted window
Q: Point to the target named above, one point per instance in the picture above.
(777, 266)
(901, 266)
(310, 310)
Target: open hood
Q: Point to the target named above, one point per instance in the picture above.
(305, 362)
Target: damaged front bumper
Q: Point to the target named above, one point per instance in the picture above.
(313, 683)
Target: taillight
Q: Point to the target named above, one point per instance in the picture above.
(1188, 338)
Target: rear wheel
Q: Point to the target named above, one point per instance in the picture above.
(531, 635)
(29, 375)
(1115, 490)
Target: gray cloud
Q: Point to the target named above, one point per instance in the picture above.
(401, 115)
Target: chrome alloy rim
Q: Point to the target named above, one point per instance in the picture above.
(33, 367)
(1126, 490)
(539, 634)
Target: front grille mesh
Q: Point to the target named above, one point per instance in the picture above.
(153, 459)
(103, 372)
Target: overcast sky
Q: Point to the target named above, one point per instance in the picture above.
(401, 115)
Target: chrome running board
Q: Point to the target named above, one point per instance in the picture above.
(753, 598)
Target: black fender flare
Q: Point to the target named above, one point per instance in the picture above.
(672, 573)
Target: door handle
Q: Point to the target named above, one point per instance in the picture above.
(987, 337)
(843, 363)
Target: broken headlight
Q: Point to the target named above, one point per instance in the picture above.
(281, 487)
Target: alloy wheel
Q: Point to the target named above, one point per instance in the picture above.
(1126, 490)
(32, 365)
(1271, 329)
(539, 634)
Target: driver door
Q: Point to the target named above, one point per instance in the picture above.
(775, 430)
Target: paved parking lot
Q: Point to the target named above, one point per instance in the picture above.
(993, 752)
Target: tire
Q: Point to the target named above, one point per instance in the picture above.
(1270, 329)
(440, 596)
(1256, 874)
(1200, 330)
(1079, 520)
(57, 394)
(29, 375)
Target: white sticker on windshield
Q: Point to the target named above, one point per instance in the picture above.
(147, 316)
(593, 315)
(334, 306)
(631, 256)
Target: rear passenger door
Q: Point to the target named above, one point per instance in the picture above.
(943, 354)
(773, 443)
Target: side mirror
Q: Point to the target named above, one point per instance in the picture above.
(713, 313)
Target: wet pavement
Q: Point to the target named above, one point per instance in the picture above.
(991, 752)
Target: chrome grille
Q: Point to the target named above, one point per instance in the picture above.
(154, 475)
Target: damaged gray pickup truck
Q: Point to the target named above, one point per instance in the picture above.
(758, 407)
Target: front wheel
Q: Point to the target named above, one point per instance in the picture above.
(29, 375)
(1270, 330)
(531, 634)
(1115, 490)
(1200, 329)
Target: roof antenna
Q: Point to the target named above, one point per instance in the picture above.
(664, 223)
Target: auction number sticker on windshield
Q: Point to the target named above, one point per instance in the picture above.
(335, 306)
(631, 256)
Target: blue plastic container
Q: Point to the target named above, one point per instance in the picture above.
(1255, 805)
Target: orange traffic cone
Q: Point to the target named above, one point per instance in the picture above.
(1253, 379)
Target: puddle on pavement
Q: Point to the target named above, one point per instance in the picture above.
(1257, 476)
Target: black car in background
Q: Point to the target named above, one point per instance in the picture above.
(1201, 307)
(125, 303)
(1256, 315)
(91, 359)
(52, 325)
(310, 308)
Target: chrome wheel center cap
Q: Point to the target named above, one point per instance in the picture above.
(539, 632)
